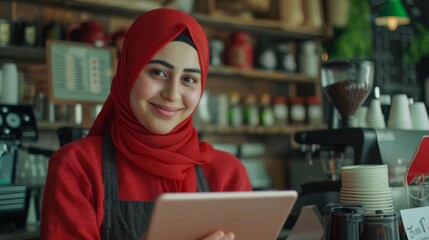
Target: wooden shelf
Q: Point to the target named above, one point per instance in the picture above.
(53, 126)
(273, 28)
(260, 74)
(133, 9)
(22, 53)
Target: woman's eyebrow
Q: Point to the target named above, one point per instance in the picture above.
(192, 70)
(164, 63)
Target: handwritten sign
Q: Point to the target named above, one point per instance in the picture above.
(416, 223)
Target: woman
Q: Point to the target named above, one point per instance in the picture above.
(142, 143)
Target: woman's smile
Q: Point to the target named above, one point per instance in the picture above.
(165, 111)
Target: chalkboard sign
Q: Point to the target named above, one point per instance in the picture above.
(79, 72)
(391, 75)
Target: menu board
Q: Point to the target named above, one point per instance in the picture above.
(391, 75)
(79, 72)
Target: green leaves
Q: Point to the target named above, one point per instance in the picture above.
(355, 42)
(418, 47)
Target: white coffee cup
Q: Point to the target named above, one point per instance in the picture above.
(374, 116)
(399, 114)
(419, 116)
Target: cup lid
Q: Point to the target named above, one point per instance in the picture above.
(380, 216)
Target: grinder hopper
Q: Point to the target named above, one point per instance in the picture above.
(347, 84)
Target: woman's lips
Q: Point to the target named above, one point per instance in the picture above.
(164, 110)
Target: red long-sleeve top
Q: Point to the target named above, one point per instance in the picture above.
(74, 192)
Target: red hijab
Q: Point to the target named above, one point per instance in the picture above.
(174, 155)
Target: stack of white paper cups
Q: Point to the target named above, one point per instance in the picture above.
(367, 185)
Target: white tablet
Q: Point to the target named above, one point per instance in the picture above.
(250, 215)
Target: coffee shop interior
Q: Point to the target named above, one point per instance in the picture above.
(296, 89)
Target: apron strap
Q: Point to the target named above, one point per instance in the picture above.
(110, 180)
(203, 186)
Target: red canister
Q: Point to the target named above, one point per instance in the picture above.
(240, 50)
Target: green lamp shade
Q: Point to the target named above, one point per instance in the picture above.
(392, 14)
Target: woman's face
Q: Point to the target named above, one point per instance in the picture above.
(168, 89)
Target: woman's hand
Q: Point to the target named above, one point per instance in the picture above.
(220, 235)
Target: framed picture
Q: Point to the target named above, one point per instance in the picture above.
(79, 72)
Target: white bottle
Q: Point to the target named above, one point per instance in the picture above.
(309, 59)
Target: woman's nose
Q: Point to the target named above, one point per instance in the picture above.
(172, 89)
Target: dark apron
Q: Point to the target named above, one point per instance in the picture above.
(127, 219)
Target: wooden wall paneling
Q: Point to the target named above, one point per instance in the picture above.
(204, 6)
(6, 10)
(306, 89)
(116, 24)
(35, 77)
(87, 115)
(221, 84)
(292, 90)
(27, 12)
(218, 85)
(281, 89)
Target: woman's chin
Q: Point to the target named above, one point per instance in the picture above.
(160, 130)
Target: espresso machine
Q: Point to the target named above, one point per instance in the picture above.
(369, 145)
(17, 125)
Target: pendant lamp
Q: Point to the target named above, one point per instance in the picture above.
(392, 14)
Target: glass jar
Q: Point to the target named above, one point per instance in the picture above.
(309, 59)
(281, 111)
(235, 110)
(267, 113)
(314, 110)
(40, 106)
(217, 48)
(297, 110)
(251, 111)
(265, 54)
(286, 57)
(5, 32)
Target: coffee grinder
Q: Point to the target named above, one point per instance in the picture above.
(346, 84)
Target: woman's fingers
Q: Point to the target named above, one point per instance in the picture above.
(220, 235)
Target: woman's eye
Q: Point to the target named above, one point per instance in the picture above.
(159, 73)
(189, 79)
